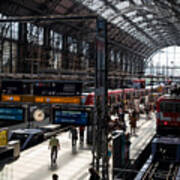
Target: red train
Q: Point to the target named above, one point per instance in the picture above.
(168, 115)
(127, 95)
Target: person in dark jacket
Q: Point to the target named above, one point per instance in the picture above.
(74, 135)
(93, 174)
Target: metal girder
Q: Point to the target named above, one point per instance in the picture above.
(140, 30)
(125, 48)
(147, 34)
(154, 27)
(47, 18)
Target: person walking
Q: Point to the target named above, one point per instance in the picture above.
(81, 134)
(74, 139)
(74, 135)
(54, 145)
(147, 110)
(109, 153)
(132, 118)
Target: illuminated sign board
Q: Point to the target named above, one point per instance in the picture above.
(58, 100)
(73, 117)
(12, 114)
(10, 98)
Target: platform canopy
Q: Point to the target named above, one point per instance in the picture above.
(141, 26)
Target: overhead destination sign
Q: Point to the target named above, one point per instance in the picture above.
(10, 98)
(73, 117)
(11, 114)
(58, 100)
(42, 99)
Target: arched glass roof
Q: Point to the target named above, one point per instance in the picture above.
(142, 26)
(165, 62)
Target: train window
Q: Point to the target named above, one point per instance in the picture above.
(167, 107)
(177, 107)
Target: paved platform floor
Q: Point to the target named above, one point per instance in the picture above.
(34, 163)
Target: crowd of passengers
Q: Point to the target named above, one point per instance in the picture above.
(119, 111)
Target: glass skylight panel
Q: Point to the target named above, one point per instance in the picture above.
(137, 19)
(154, 22)
(108, 13)
(94, 5)
(138, 2)
(149, 16)
(124, 26)
(123, 5)
(142, 25)
(117, 20)
(131, 14)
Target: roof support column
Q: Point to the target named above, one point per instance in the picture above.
(128, 63)
(122, 61)
(125, 63)
(100, 130)
(139, 65)
(131, 64)
(136, 65)
(109, 59)
(91, 55)
(65, 60)
(118, 58)
(115, 60)
(46, 44)
(22, 48)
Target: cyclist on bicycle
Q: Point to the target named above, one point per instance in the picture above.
(55, 146)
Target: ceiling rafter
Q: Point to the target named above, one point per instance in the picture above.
(140, 25)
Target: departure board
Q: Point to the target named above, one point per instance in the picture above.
(57, 88)
(12, 87)
(15, 86)
(11, 114)
(71, 117)
(42, 88)
(67, 88)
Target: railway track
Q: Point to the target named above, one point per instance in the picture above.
(161, 170)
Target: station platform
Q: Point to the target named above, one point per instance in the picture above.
(146, 130)
(34, 163)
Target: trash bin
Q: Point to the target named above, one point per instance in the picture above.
(16, 145)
